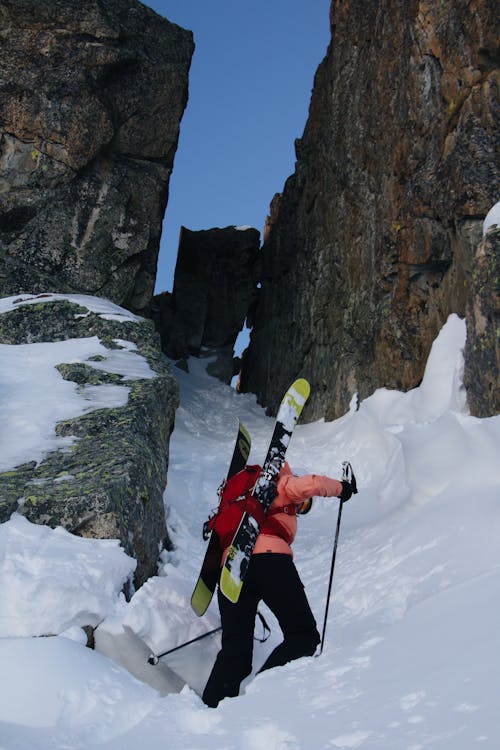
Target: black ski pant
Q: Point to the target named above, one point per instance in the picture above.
(272, 578)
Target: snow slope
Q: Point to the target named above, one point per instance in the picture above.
(410, 660)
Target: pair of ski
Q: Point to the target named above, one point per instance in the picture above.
(240, 551)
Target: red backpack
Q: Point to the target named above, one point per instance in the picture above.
(236, 499)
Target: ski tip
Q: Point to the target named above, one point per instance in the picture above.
(244, 435)
(302, 387)
(201, 598)
(296, 396)
(229, 587)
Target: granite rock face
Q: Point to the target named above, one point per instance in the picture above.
(372, 243)
(109, 483)
(482, 349)
(215, 287)
(91, 98)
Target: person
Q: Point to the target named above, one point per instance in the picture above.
(273, 578)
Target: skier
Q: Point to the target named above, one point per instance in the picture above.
(273, 578)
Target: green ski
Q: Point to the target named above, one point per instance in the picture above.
(210, 569)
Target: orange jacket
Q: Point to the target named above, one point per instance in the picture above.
(292, 489)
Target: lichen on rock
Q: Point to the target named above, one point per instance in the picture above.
(109, 482)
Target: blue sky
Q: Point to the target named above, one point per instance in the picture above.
(249, 90)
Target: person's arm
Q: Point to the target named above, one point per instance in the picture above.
(297, 489)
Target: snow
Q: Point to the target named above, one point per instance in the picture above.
(492, 218)
(410, 659)
(38, 559)
(34, 396)
(98, 305)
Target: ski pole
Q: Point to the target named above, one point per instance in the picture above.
(154, 658)
(347, 475)
(334, 554)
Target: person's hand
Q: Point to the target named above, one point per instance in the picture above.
(349, 486)
(347, 491)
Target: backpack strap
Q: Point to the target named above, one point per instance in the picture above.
(275, 528)
(268, 524)
(290, 510)
(252, 506)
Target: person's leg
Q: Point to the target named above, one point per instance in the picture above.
(234, 660)
(283, 592)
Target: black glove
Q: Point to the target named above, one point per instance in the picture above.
(349, 486)
(347, 491)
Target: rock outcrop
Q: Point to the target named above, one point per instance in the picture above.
(482, 350)
(91, 98)
(108, 479)
(215, 287)
(372, 243)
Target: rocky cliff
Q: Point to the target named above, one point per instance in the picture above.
(91, 97)
(482, 349)
(103, 471)
(215, 287)
(372, 243)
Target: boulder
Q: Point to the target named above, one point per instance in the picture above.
(91, 98)
(107, 477)
(215, 287)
